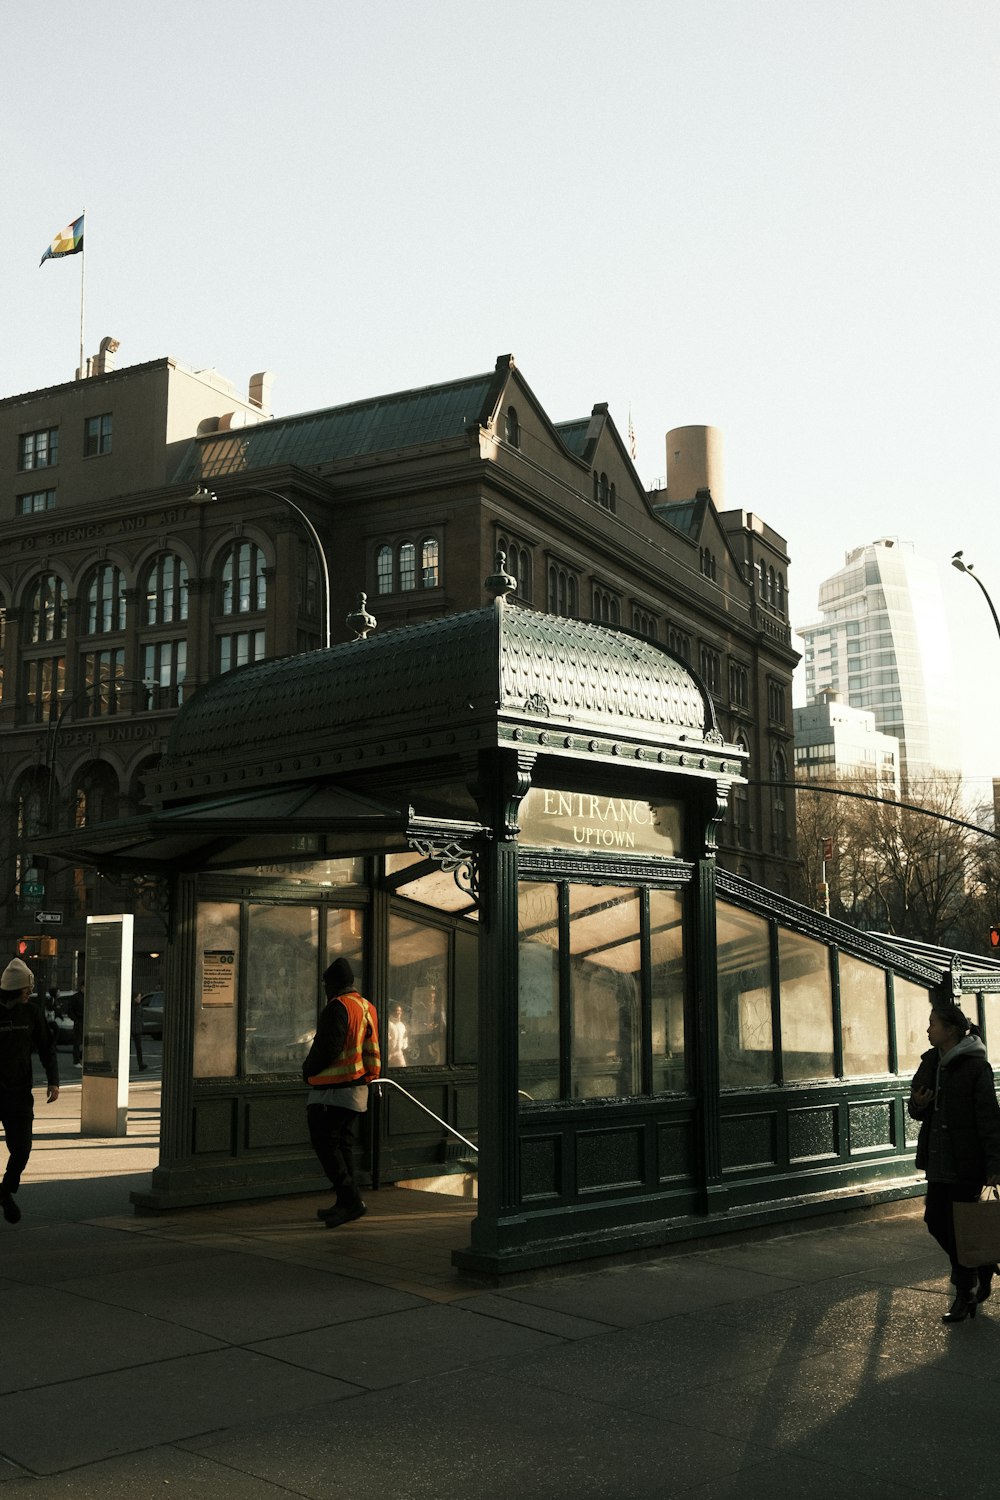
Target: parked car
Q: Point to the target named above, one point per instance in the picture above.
(151, 1005)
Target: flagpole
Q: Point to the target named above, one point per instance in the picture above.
(83, 258)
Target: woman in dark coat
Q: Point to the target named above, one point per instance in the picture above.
(953, 1097)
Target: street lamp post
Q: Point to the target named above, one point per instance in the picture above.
(203, 496)
(958, 561)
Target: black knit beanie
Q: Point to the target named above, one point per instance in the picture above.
(339, 976)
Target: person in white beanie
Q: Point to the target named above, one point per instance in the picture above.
(22, 1031)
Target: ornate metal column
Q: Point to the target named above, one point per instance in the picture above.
(504, 777)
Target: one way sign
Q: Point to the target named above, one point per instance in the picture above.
(49, 917)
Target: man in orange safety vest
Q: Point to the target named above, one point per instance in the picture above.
(344, 1055)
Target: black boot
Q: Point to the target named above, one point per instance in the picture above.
(985, 1287)
(964, 1306)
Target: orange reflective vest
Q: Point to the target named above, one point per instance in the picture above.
(359, 1057)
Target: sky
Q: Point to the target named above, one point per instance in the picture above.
(777, 217)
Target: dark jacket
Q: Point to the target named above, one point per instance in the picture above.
(964, 1119)
(23, 1031)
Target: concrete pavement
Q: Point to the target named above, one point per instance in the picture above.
(246, 1352)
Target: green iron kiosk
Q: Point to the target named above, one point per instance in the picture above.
(506, 821)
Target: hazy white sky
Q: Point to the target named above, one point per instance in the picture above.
(780, 217)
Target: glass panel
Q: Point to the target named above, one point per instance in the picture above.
(666, 950)
(913, 1009)
(605, 990)
(991, 1019)
(746, 1037)
(282, 981)
(465, 1026)
(326, 872)
(345, 938)
(806, 1007)
(864, 1017)
(438, 889)
(215, 1001)
(418, 982)
(538, 989)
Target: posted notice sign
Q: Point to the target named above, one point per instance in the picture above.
(218, 977)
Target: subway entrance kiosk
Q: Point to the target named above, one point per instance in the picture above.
(506, 821)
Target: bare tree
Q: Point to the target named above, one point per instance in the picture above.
(917, 873)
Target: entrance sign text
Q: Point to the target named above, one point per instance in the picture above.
(599, 824)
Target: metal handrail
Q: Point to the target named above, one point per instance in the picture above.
(378, 1083)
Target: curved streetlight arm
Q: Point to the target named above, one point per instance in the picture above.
(202, 495)
(964, 567)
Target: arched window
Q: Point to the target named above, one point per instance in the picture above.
(383, 570)
(770, 585)
(105, 600)
(612, 498)
(562, 592)
(429, 563)
(606, 607)
(95, 795)
(603, 493)
(512, 428)
(165, 590)
(244, 589)
(48, 609)
(517, 561)
(762, 578)
(407, 566)
(779, 598)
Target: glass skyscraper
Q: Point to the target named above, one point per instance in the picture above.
(882, 644)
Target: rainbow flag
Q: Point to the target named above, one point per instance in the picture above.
(68, 241)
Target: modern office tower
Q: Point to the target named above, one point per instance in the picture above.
(882, 644)
(834, 742)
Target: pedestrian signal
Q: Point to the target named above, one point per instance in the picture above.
(995, 937)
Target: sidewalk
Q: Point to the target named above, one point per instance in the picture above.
(246, 1352)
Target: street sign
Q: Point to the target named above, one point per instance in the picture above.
(48, 917)
(33, 888)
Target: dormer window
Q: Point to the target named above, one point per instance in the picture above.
(512, 428)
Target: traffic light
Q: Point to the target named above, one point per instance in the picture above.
(995, 937)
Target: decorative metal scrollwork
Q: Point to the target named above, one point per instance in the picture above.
(455, 859)
(152, 893)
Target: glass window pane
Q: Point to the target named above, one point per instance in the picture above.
(418, 981)
(746, 1038)
(345, 932)
(538, 989)
(806, 1007)
(666, 949)
(913, 1009)
(605, 990)
(864, 1018)
(991, 1019)
(215, 1004)
(282, 987)
(407, 566)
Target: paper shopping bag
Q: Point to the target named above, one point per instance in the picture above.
(977, 1231)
